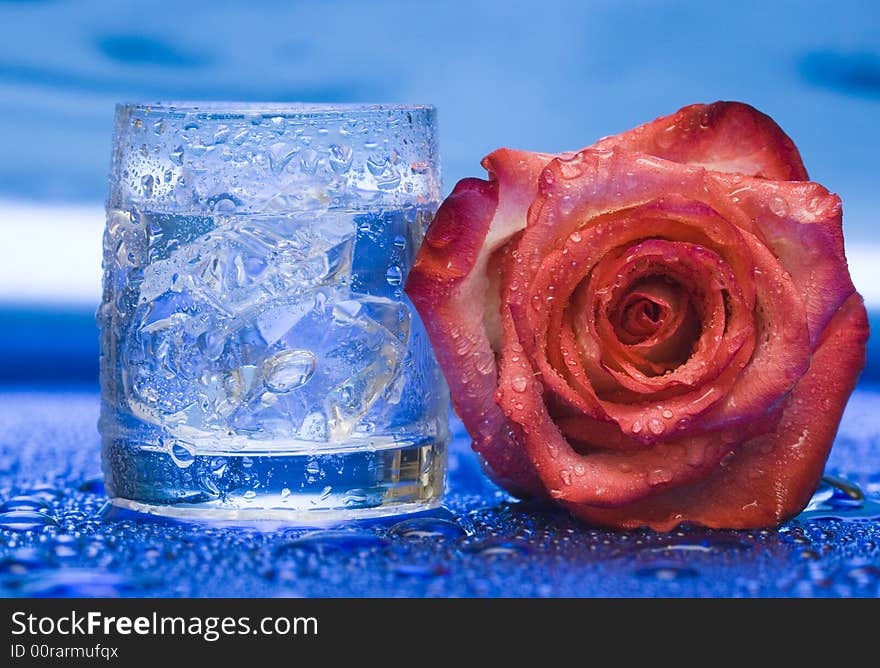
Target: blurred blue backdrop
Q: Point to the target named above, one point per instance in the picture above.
(548, 75)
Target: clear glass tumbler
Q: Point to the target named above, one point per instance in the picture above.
(259, 359)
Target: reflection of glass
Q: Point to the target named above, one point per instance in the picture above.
(259, 358)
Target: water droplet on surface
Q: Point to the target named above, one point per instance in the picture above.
(23, 561)
(838, 498)
(75, 583)
(498, 547)
(46, 492)
(667, 414)
(700, 542)
(25, 520)
(288, 370)
(427, 528)
(419, 570)
(24, 502)
(636, 427)
(92, 486)
(332, 540)
(663, 570)
(655, 426)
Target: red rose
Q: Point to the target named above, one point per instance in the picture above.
(656, 329)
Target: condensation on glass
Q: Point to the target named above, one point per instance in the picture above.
(259, 358)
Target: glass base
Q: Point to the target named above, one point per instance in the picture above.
(315, 487)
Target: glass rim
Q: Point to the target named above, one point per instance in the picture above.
(241, 109)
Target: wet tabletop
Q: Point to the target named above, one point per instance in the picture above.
(55, 539)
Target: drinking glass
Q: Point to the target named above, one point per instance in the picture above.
(259, 358)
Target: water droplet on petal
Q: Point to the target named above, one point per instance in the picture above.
(778, 206)
(519, 384)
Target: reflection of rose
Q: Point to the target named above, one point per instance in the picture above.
(659, 328)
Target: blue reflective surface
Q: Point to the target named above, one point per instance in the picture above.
(57, 539)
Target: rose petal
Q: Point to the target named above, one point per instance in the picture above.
(770, 478)
(723, 136)
(801, 224)
(602, 479)
(449, 285)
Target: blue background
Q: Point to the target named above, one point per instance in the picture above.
(547, 76)
(550, 76)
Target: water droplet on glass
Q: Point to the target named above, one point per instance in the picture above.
(355, 497)
(394, 275)
(181, 455)
(288, 370)
(340, 158)
(147, 183)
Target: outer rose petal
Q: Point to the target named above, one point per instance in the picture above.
(769, 478)
(451, 286)
(801, 224)
(723, 136)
